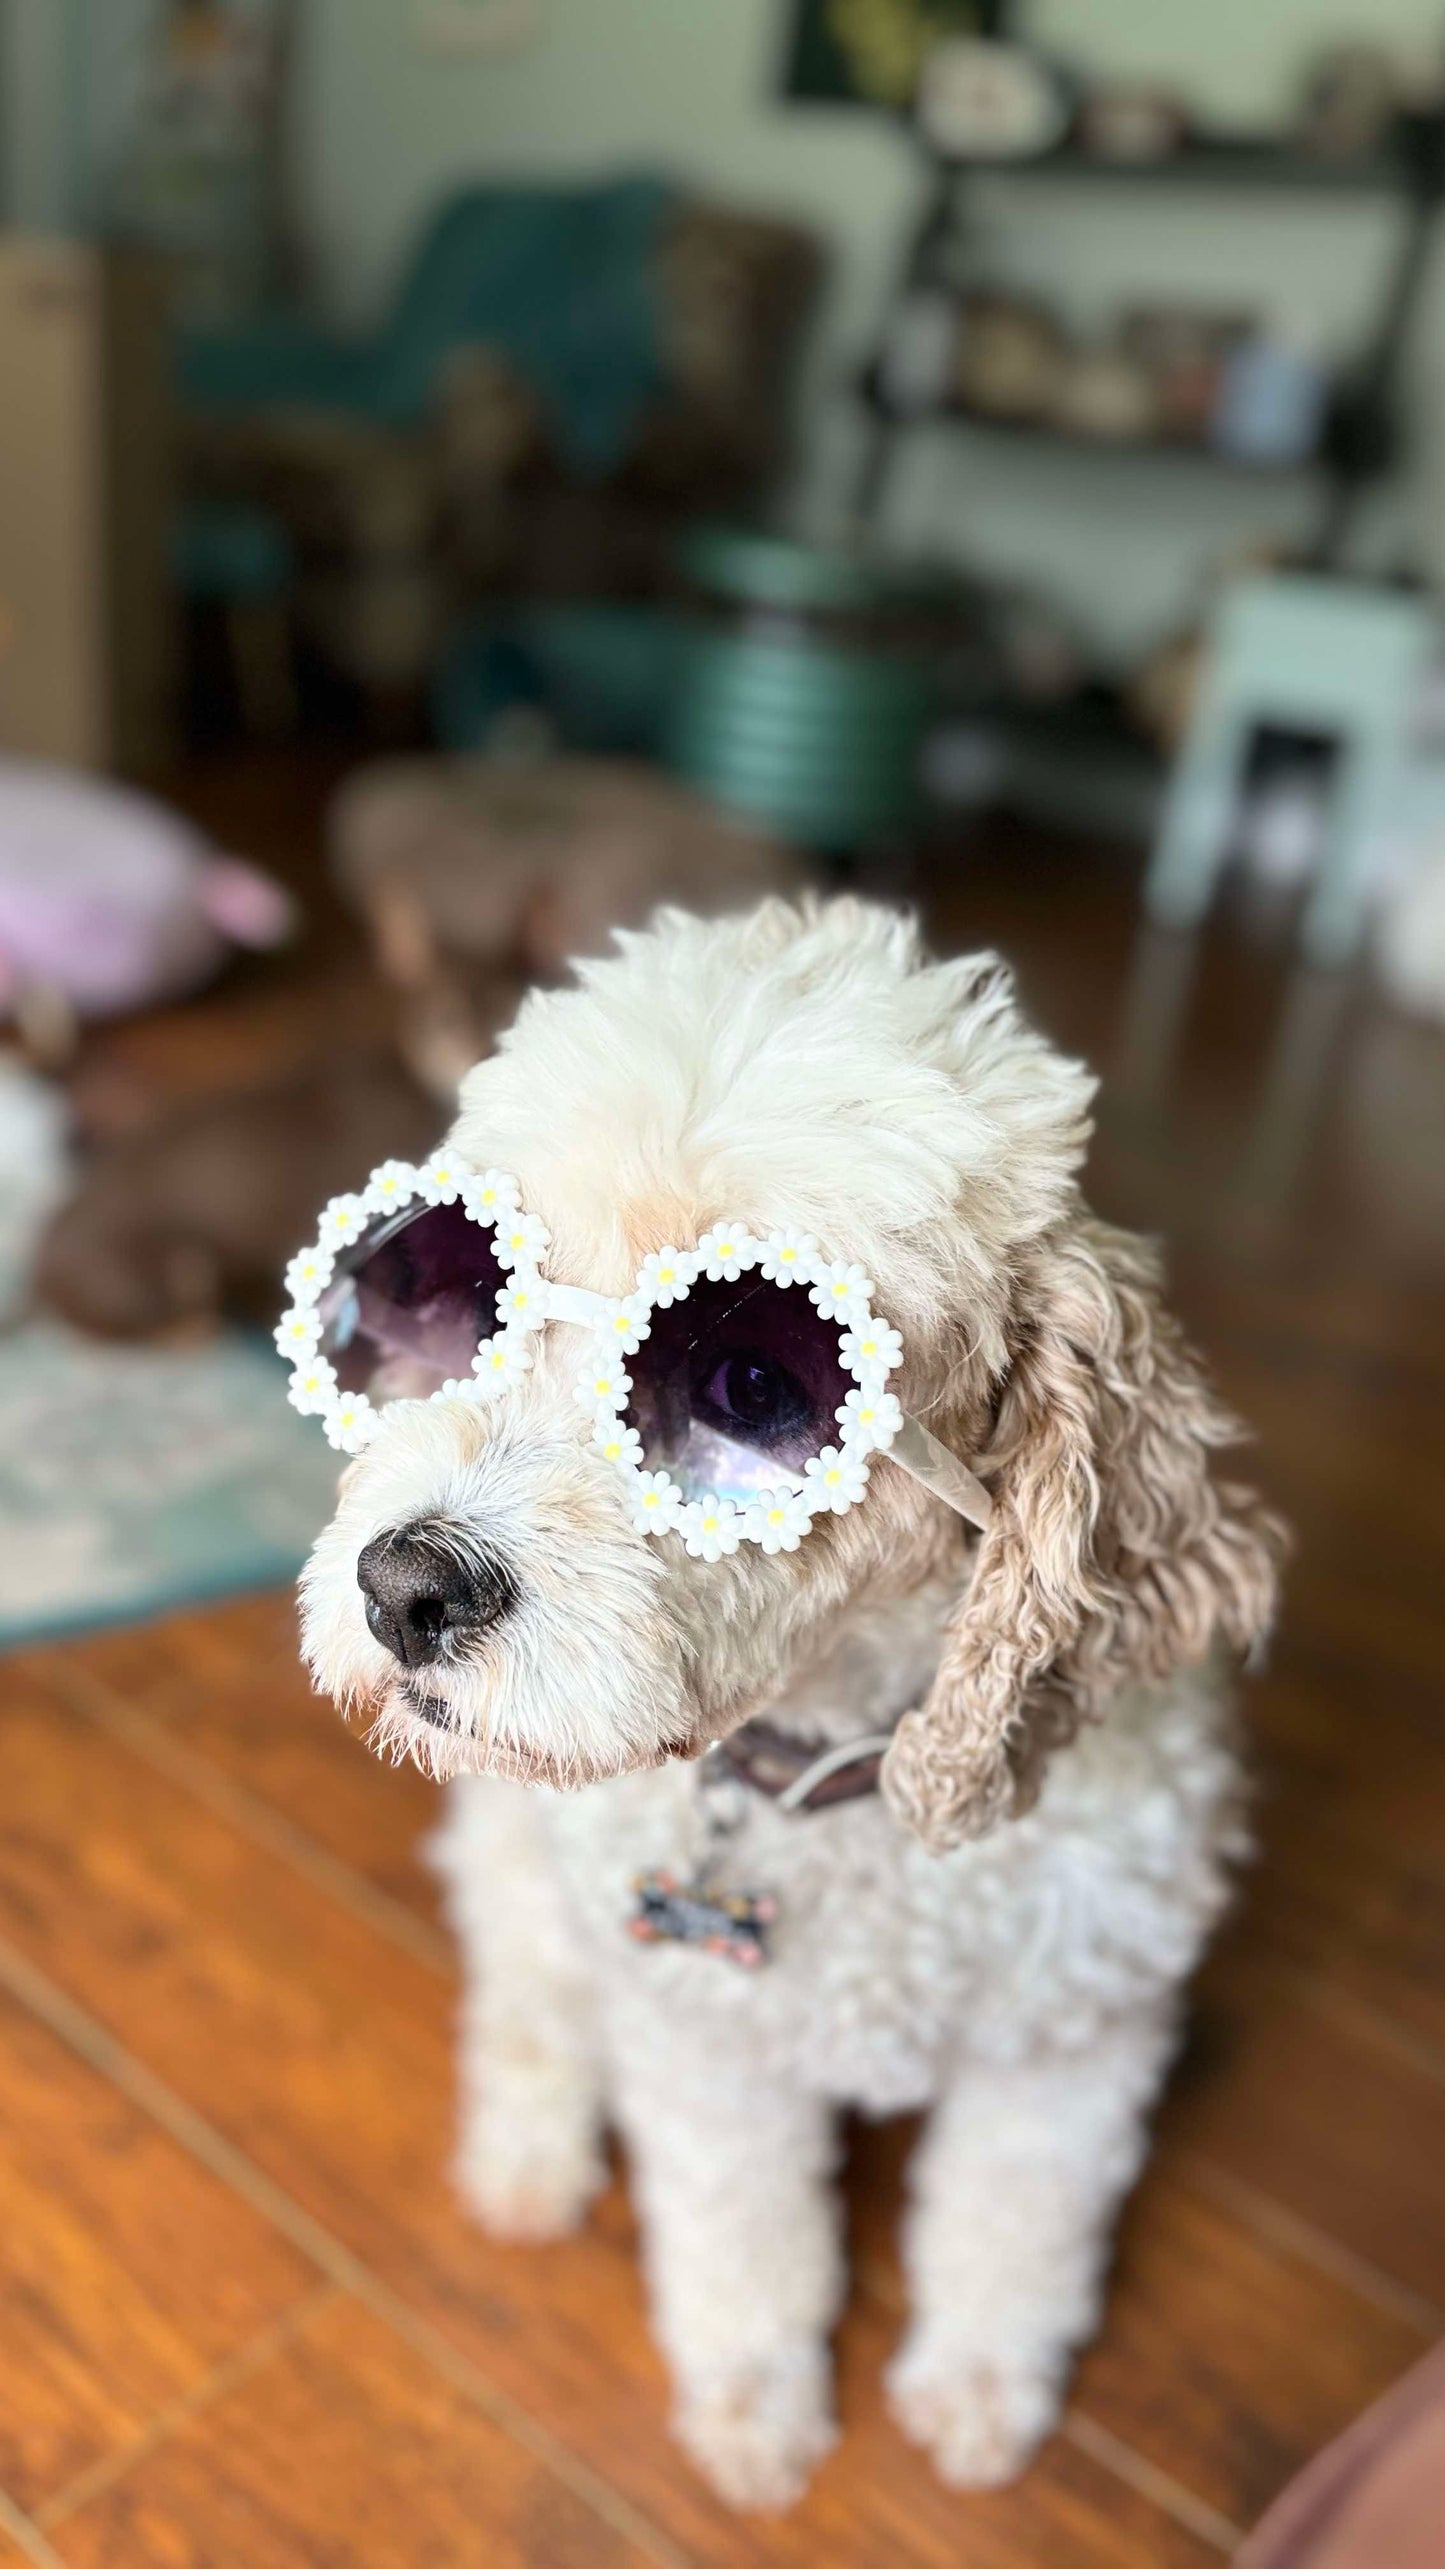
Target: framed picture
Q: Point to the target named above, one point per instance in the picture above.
(867, 53)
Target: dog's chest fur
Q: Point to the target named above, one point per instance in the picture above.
(887, 1964)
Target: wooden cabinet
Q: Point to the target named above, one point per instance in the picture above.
(87, 615)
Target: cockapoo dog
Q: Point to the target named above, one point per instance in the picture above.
(999, 1931)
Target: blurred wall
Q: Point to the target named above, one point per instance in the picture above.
(691, 85)
(384, 124)
(35, 71)
(71, 76)
(688, 86)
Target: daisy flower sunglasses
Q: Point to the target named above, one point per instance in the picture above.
(740, 1388)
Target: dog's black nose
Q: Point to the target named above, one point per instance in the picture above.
(420, 1592)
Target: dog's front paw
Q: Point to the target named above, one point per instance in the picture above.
(980, 2419)
(528, 2187)
(759, 2438)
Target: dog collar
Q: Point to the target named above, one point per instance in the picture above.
(797, 1774)
(700, 1908)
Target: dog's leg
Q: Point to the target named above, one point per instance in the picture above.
(1014, 2190)
(739, 2223)
(529, 2154)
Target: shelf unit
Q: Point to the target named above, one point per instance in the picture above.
(1211, 161)
(1047, 432)
(1360, 444)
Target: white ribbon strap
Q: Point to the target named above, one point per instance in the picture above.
(941, 1472)
(832, 1762)
(574, 1302)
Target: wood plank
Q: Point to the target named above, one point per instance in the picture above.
(325, 2054)
(1349, 1821)
(126, 2272)
(1381, 1769)
(228, 1683)
(1340, 1378)
(1319, 2109)
(877, 2501)
(1276, 1913)
(33, 2550)
(344, 2448)
(1350, 1817)
(400, 2469)
(1373, 1931)
(1226, 2360)
(1214, 2477)
(1223, 2360)
(1335, 1898)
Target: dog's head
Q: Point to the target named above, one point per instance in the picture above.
(801, 1067)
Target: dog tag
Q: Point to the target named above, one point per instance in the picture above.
(733, 1924)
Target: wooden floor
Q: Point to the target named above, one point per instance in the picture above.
(244, 2325)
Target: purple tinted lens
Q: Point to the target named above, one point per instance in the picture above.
(413, 1300)
(736, 1388)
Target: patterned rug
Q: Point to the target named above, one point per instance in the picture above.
(133, 1479)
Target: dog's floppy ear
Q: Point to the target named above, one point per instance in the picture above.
(1111, 1555)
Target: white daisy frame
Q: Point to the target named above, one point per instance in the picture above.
(871, 1420)
(491, 1199)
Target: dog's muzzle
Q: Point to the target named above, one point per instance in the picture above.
(428, 1599)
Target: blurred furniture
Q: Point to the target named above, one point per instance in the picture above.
(1359, 442)
(1341, 670)
(241, 561)
(479, 875)
(86, 618)
(191, 1216)
(565, 376)
(1318, 657)
(804, 686)
(597, 677)
(791, 684)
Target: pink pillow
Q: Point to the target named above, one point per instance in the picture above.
(111, 899)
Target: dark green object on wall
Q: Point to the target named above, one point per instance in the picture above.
(866, 53)
(805, 684)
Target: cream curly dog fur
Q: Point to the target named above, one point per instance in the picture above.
(1001, 1935)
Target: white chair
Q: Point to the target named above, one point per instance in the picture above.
(1330, 657)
